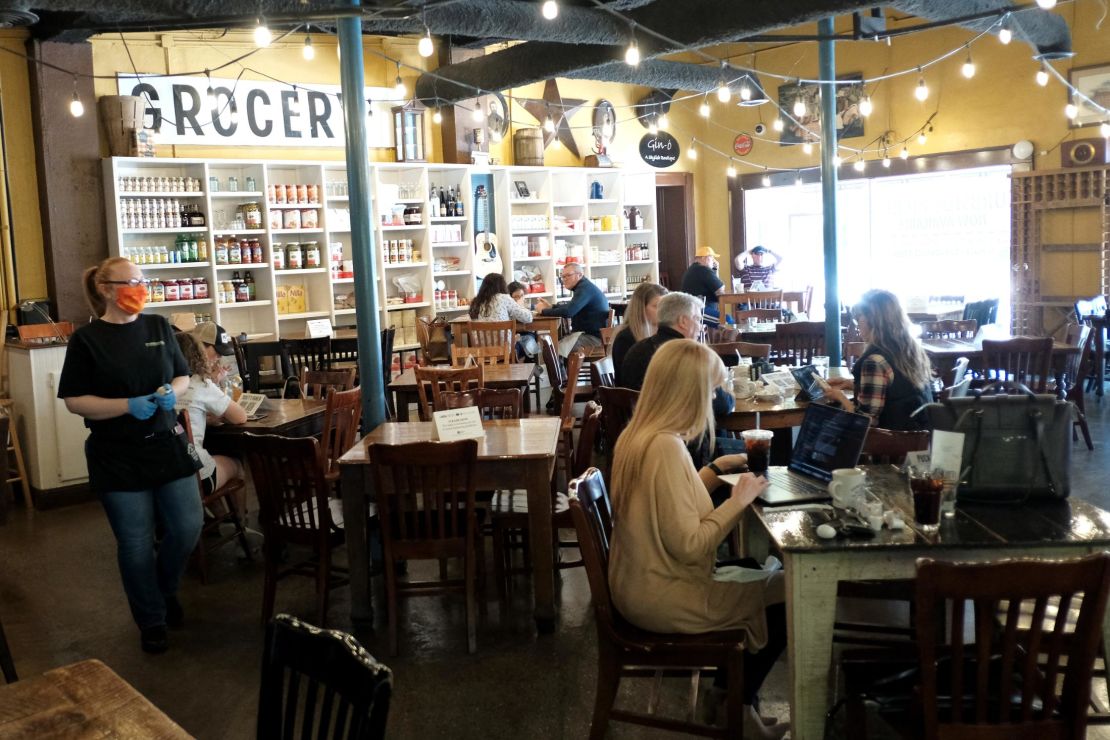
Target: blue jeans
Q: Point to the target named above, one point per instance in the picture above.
(149, 576)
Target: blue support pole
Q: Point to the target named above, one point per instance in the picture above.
(362, 236)
(827, 59)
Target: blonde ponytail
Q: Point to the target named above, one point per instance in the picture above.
(91, 280)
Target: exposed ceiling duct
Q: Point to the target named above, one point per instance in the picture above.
(1046, 32)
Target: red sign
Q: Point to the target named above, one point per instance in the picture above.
(742, 144)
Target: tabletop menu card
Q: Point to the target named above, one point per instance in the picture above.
(454, 424)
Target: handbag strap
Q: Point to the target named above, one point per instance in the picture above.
(1038, 435)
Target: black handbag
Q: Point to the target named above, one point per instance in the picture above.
(1016, 445)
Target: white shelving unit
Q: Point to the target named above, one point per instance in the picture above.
(555, 219)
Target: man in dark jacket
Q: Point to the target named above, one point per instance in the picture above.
(588, 310)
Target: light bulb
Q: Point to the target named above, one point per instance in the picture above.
(556, 144)
(692, 153)
(1042, 77)
(1104, 129)
(662, 121)
(777, 124)
(703, 109)
(548, 125)
(798, 180)
(399, 87)
(426, 47)
(632, 54)
(799, 108)
(969, 68)
(865, 106)
(1046, 4)
(76, 107)
(886, 162)
(550, 10)
(437, 117)
(262, 35)
(308, 51)
(921, 92)
(745, 91)
(807, 148)
(723, 93)
(905, 153)
(859, 165)
(653, 129)
(1071, 111)
(477, 115)
(731, 171)
(836, 160)
(1005, 35)
(211, 93)
(766, 181)
(922, 138)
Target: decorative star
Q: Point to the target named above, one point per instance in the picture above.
(560, 109)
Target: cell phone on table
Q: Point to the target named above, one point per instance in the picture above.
(257, 417)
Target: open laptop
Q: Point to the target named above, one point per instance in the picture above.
(828, 439)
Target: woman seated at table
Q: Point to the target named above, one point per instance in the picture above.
(205, 400)
(641, 320)
(893, 378)
(493, 303)
(666, 529)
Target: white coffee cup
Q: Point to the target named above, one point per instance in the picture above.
(846, 487)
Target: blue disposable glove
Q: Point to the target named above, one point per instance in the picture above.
(142, 407)
(165, 397)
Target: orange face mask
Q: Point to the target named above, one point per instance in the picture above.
(131, 299)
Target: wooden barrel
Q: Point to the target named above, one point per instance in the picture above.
(528, 147)
(122, 116)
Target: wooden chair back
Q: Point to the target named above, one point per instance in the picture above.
(1079, 366)
(431, 382)
(587, 437)
(618, 405)
(720, 334)
(304, 667)
(312, 353)
(729, 304)
(5, 487)
(602, 373)
(794, 300)
(797, 342)
(44, 333)
(291, 488)
(607, 336)
(493, 354)
(320, 384)
(257, 354)
(889, 446)
(611, 319)
(490, 333)
(996, 688)
(240, 360)
(492, 403)
(764, 299)
(731, 352)
(345, 349)
(553, 363)
(1026, 360)
(758, 314)
(950, 329)
(852, 352)
(341, 419)
(574, 364)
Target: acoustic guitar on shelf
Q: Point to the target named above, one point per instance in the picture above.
(487, 256)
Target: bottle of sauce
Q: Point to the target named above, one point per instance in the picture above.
(200, 288)
(169, 288)
(157, 291)
(234, 253)
(221, 251)
(248, 279)
(293, 257)
(202, 251)
(185, 289)
(312, 255)
(277, 252)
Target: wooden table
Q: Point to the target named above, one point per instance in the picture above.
(814, 566)
(752, 414)
(944, 352)
(81, 700)
(289, 417)
(513, 375)
(517, 453)
(939, 312)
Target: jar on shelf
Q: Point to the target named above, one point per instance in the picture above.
(222, 256)
(169, 289)
(252, 215)
(234, 252)
(200, 288)
(294, 256)
(277, 253)
(185, 289)
(311, 255)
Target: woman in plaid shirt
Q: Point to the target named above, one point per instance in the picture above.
(893, 377)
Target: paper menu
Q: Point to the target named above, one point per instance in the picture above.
(947, 453)
(455, 424)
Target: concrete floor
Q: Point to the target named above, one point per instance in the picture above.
(61, 601)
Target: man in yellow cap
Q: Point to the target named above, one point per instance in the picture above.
(701, 280)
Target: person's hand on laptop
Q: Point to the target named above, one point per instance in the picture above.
(840, 383)
(748, 488)
(731, 463)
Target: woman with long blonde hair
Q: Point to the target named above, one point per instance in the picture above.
(641, 320)
(666, 530)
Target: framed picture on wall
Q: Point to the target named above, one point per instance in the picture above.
(849, 121)
(1093, 85)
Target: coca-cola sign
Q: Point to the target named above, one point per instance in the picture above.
(659, 149)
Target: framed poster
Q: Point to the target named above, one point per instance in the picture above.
(1094, 83)
(849, 121)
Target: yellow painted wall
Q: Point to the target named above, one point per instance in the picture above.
(19, 158)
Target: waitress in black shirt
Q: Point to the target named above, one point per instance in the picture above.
(122, 373)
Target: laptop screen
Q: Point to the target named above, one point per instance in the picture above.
(828, 439)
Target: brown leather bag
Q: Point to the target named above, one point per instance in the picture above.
(435, 343)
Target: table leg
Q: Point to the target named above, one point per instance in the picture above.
(403, 399)
(1100, 357)
(811, 611)
(538, 482)
(353, 487)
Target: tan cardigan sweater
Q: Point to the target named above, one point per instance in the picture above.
(664, 547)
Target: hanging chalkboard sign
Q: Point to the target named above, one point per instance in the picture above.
(659, 149)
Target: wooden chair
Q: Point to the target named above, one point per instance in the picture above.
(336, 673)
(311, 353)
(490, 334)
(720, 334)
(222, 505)
(557, 376)
(427, 510)
(625, 650)
(602, 373)
(1026, 360)
(951, 329)
(294, 510)
(481, 355)
(891, 447)
(607, 336)
(13, 452)
(1078, 368)
(618, 403)
(764, 299)
(794, 301)
(727, 351)
(566, 411)
(852, 352)
(270, 381)
(729, 303)
(320, 384)
(5, 489)
(341, 419)
(492, 403)
(758, 314)
(431, 382)
(1010, 676)
(796, 343)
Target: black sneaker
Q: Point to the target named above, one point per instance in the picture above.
(154, 639)
(175, 614)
